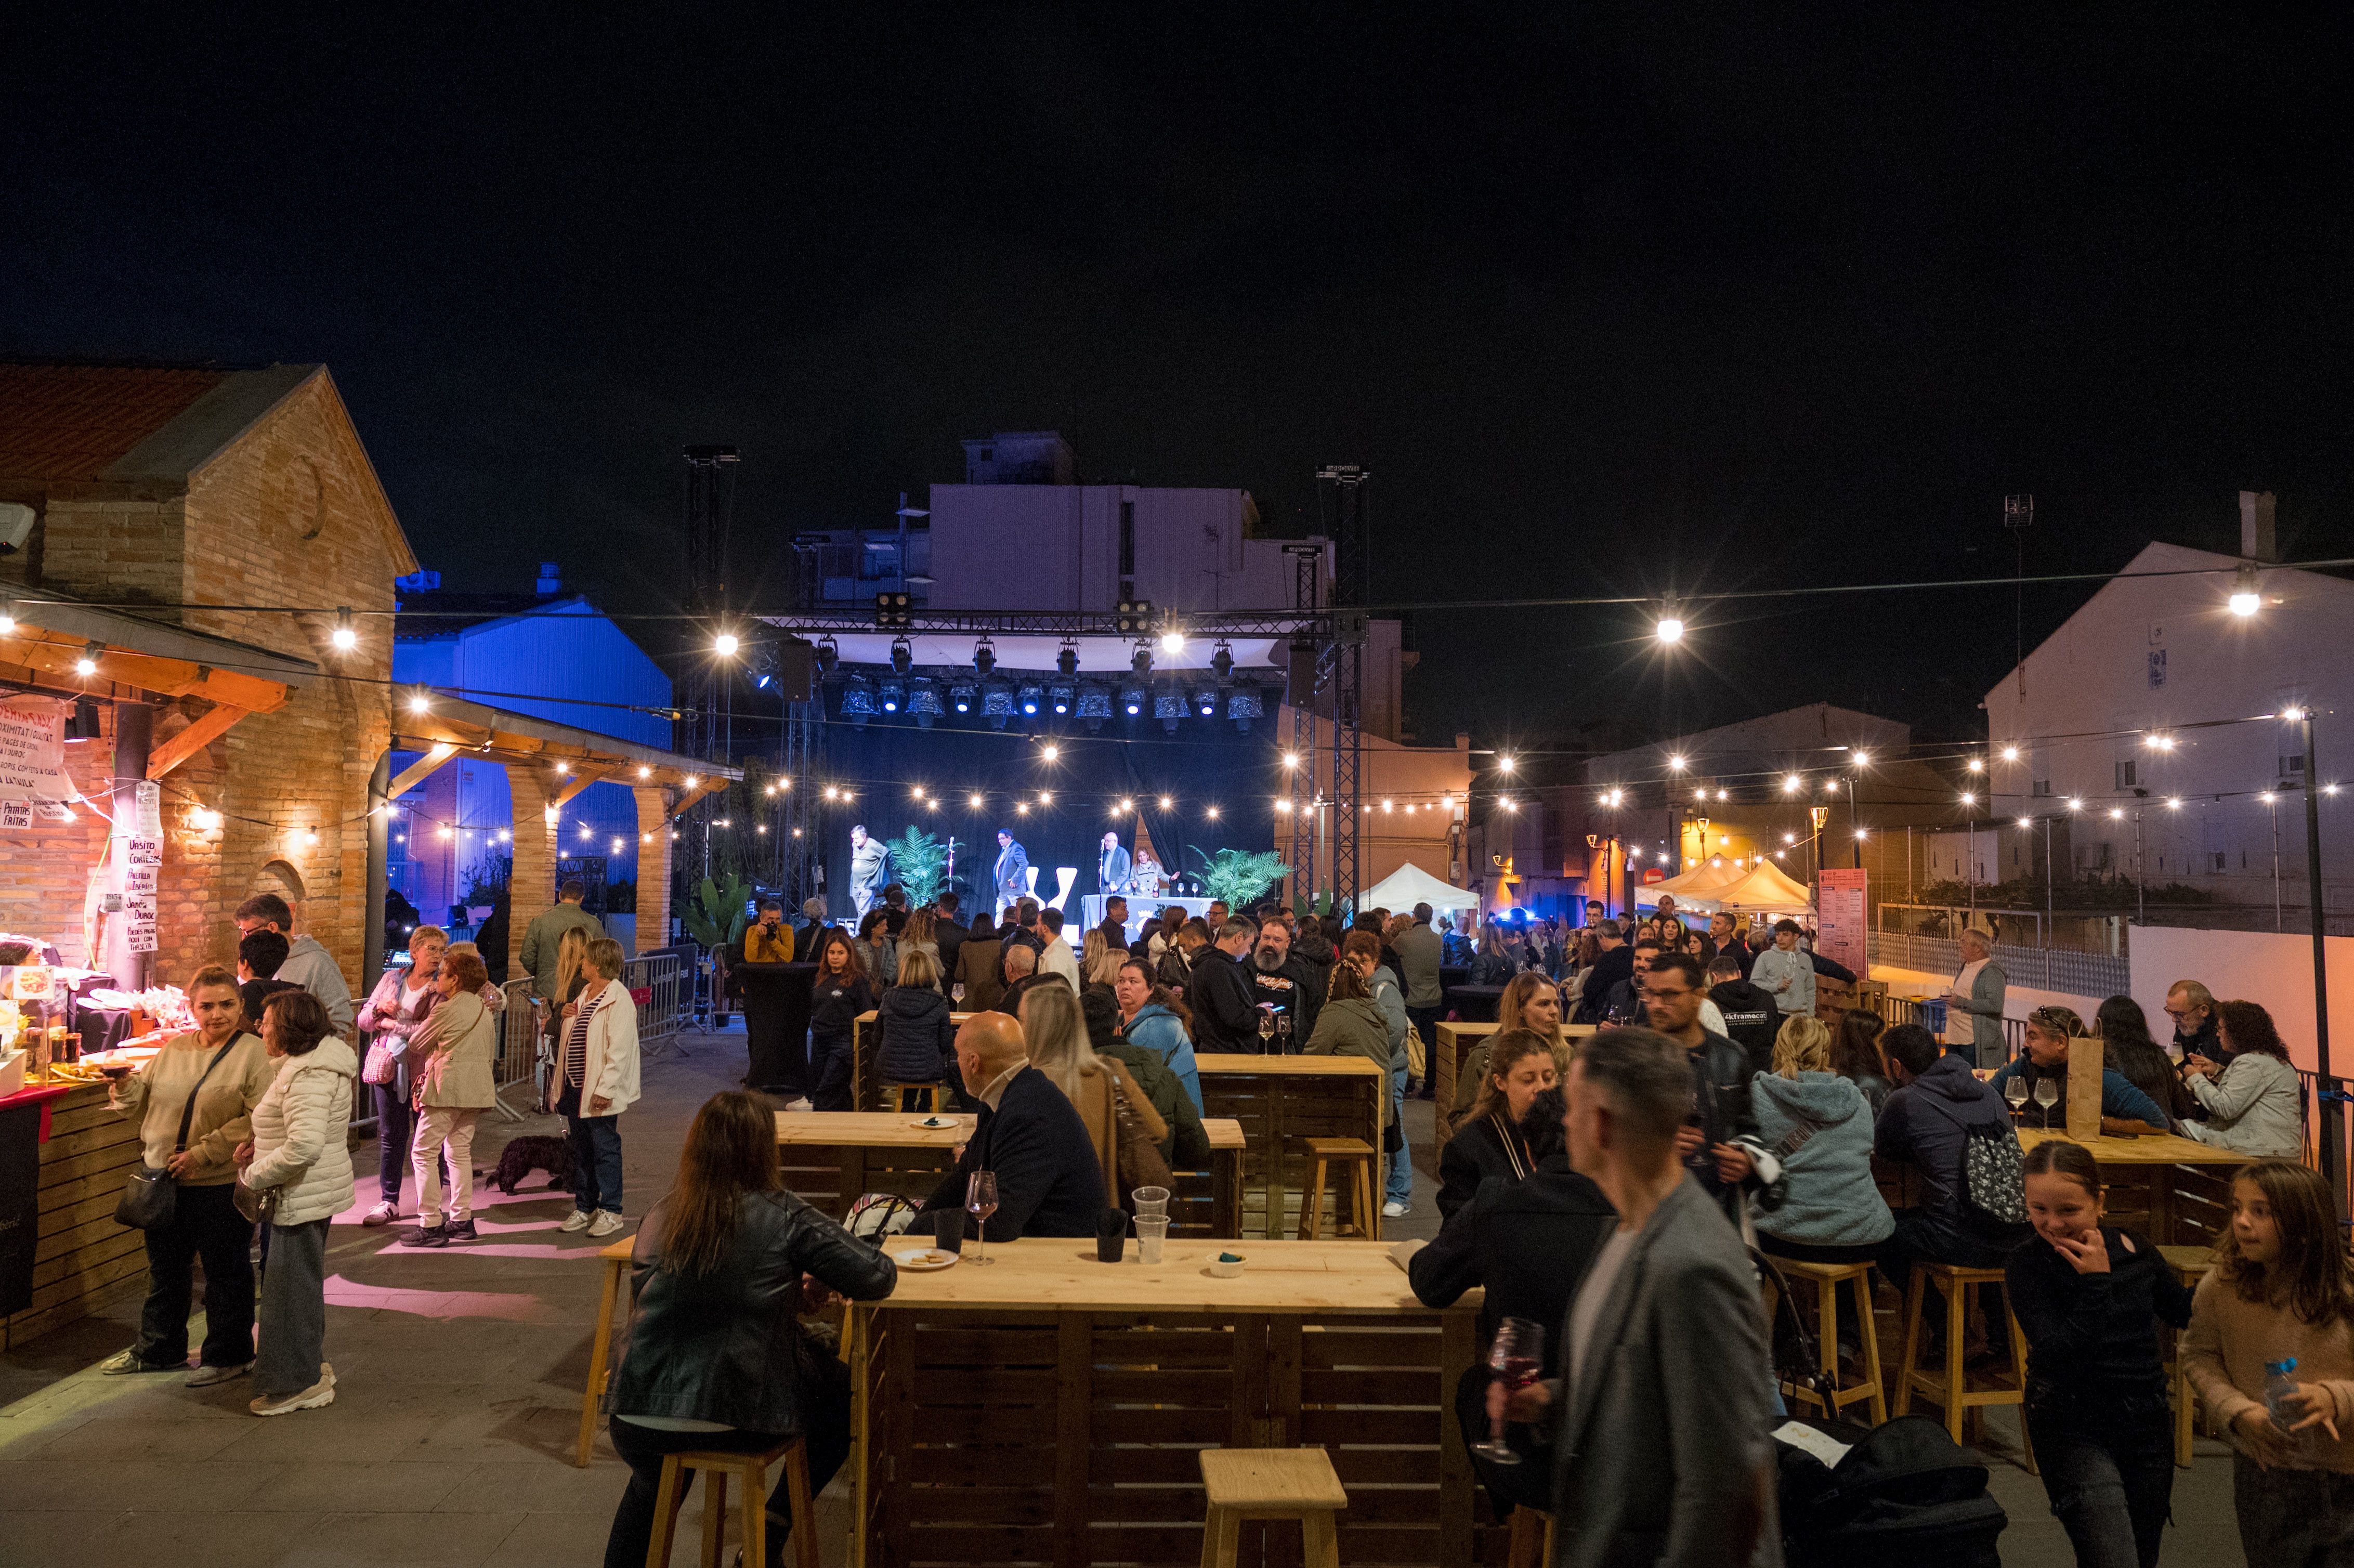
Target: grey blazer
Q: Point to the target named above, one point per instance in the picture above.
(1986, 1015)
(1663, 1455)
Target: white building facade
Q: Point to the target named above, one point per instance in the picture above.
(2143, 737)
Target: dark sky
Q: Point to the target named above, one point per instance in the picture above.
(1609, 297)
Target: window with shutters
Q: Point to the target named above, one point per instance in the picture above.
(2126, 770)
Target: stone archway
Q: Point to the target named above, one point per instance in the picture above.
(280, 877)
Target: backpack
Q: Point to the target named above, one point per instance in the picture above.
(877, 1216)
(1903, 1492)
(1994, 1176)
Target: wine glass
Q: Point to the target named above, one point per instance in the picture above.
(956, 994)
(2047, 1095)
(1516, 1358)
(2014, 1089)
(1266, 1027)
(1283, 1034)
(980, 1201)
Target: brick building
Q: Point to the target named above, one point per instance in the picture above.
(156, 490)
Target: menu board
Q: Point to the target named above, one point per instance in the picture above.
(32, 751)
(1840, 929)
(143, 865)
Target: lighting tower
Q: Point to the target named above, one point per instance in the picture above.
(1345, 503)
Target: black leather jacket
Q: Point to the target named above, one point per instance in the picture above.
(723, 1346)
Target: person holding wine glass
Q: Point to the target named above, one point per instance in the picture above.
(2125, 1109)
(1046, 1177)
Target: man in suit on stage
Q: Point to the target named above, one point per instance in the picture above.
(1011, 876)
(1111, 868)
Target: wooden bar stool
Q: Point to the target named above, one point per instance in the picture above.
(751, 1471)
(939, 1092)
(1355, 1156)
(1949, 1387)
(1270, 1483)
(1828, 1278)
(2191, 1264)
(1530, 1542)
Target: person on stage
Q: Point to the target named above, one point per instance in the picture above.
(1012, 875)
(1146, 880)
(1111, 868)
(870, 867)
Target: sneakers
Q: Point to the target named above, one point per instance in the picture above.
(421, 1235)
(320, 1393)
(1394, 1210)
(382, 1215)
(123, 1362)
(204, 1377)
(576, 1222)
(605, 1222)
(458, 1230)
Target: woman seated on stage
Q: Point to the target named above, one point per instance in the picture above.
(1519, 1066)
(716, 1360)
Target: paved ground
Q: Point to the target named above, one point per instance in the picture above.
(460, 1376)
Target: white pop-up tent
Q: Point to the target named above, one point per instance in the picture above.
(1696, 888)
(1764, 891)
(1409, 885)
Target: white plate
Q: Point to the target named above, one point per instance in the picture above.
(927, 1123)
(924, 1261)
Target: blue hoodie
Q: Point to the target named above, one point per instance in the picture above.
(1156, 1028)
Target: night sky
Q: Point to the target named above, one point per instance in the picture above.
(1609, 298)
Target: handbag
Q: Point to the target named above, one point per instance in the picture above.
(259, 1208)
(151, 1197)
(1417, 1054)
(1141, 1164)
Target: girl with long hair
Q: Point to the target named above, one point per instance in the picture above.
(1855, 1054)
(1530, 1002)
(2087, 1295)
(2271, 1351)
(1488, 1141)
(840, 993)
(715, 1357)
(2127, 1046)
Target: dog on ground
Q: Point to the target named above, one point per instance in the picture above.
(524, 1155)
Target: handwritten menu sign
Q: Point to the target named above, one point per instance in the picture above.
(143, 865)
(33, 752)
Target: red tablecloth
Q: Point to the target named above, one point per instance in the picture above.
(39, 1094)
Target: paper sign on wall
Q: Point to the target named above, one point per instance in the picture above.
(32, 751)
(1841, 931)
(143, 865)
(15, 816)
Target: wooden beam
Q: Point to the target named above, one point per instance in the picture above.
(207, 729)
(171, 677)
(415, 772)
(577, 782)
(705, 785)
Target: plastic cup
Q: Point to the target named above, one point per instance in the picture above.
(950, 1233)
(1151, 1231)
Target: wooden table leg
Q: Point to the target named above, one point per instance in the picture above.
(598, 1350)
(1227, 1193)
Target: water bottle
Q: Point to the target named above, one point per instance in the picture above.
(2280, 1387)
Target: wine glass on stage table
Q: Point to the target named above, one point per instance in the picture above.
(2014, 1089)
(2047, 1095)
(1516, 1358)
(980, 1201)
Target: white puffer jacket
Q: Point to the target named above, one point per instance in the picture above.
(300, 1142)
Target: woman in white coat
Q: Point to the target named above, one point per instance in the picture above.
(449, 1058)
(599, 1077)
(298, 1152)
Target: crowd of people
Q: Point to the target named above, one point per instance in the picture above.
(1615, 1156)
(1610, 1190)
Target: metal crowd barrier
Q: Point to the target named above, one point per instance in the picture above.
(658, 983)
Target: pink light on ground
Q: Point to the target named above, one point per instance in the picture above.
(442, 1305)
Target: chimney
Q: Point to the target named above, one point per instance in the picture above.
(551, 581)
(2256, 526)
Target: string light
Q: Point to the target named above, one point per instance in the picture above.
(1212, 813)
(86, 665)
(419, 704)
(344, 637)
(1051, 753)
(1976, 765)
(1166, 803)
(1292, 759)
(725, 645)
(972, 800)
(2010, 753)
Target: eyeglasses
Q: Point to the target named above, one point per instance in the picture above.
(2180, 1014)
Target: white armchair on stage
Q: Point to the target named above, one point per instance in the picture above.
(1064, 876)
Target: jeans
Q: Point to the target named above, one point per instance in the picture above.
(204, 1223)
(1401, 1183)
(825, 1425)
(392, 1134)
(2108, 1468)
(830, 1069)
(445, 1137)
(597, 1152)
(2293, 1518)
(293, 1310)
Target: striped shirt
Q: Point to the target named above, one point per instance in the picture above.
(576, 1042)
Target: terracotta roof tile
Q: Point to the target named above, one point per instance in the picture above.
(70, 421)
